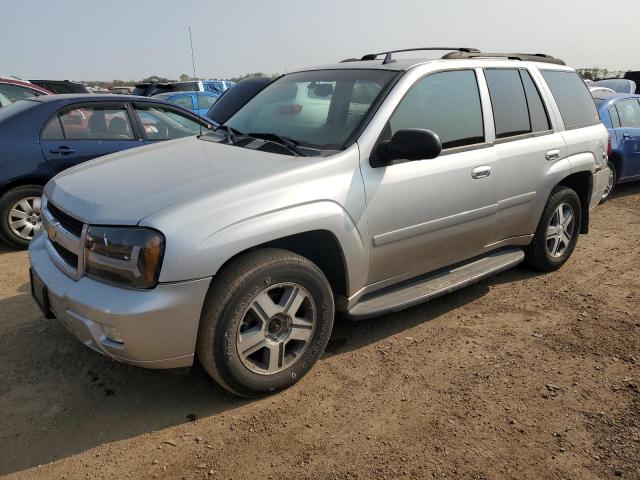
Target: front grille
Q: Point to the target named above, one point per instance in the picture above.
(69, 257)
(67, 222)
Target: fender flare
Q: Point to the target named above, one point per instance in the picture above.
(213, 251)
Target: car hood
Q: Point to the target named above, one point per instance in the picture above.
(125, 187)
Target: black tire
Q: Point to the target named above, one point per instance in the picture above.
(231, 293)
(614, 172)
(537, 254)
(6, 202)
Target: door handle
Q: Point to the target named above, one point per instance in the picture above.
(481, 172)
(63, 151)
(552, 155)
(626, 135)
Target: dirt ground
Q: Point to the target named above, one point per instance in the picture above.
(521, 376)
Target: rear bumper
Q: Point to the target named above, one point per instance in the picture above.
(159, 326)
(600, 181)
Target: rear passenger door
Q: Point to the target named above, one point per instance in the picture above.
(629, 136)
(526, 147)
(82, 132)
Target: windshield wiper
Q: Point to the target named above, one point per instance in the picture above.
(231, 133)
(290, 143)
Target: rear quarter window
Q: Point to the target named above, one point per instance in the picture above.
(572, 97)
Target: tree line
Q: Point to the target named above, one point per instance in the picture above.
(182, 78)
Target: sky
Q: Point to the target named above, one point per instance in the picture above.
(124, 39)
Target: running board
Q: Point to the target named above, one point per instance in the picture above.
(427, 287)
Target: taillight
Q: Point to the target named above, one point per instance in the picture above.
(609, 147)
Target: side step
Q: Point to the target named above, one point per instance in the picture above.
(440, 282)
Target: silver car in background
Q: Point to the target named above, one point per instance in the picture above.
(362, 187)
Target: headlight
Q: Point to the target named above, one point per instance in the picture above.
(128, 256)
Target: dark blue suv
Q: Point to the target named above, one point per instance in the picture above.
(621, 115)
(42, 136)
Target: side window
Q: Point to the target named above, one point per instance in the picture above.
(629, 112)
(53, 130)
(510, 111)
(615, 118)
(205, 101)
(96, 123)
(184, 101)
(448, 103)
(162, 123)
(537, 111)
(572, 97)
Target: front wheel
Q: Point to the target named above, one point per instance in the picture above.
(266, 321)
(557, 232)
(20, 215)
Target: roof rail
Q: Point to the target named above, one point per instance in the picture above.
(388, 59)
(525, 57)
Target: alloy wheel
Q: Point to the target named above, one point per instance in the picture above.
(25, 218)
(560, 230)
(276, 328)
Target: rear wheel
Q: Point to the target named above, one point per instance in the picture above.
(611, 184)
(20, 215)
(557, 232)
(266, 321)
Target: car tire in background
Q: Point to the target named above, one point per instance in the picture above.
(613, 178)
(266, 320)
(557, 232)
(20, 215)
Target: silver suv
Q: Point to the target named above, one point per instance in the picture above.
(363, 187)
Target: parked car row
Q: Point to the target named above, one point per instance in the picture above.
(620, 113)
(362, 187)
(44, 135)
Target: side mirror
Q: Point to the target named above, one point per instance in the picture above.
(408, 144)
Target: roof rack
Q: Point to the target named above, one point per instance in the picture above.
(388, 59)
(525, 57)
(462, 53)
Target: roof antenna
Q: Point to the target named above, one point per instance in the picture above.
(387, 59)
(193, 64)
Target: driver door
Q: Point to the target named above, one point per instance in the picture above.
(427, 214)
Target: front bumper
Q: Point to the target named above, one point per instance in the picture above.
(600, 181)
(159, 326)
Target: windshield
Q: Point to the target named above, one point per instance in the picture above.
(319, 109)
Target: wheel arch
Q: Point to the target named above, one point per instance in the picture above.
(617, 161)
(320, 246)
(22, 182)
(582, 183)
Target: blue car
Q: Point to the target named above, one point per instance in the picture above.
(42, 136)
(199, 102)
(621, 115)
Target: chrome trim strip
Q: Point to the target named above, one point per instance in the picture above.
(55, 232)
(60, 262)
(516, 201)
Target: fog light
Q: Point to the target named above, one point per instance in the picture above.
(112, 334)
